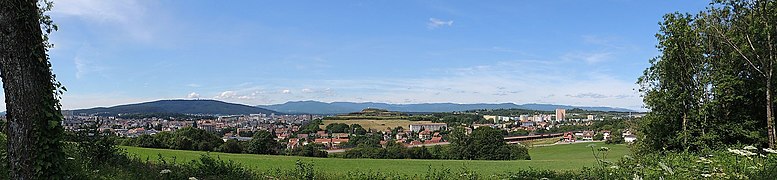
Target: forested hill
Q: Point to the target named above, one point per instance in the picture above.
(210, 107)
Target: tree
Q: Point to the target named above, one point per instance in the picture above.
(461, 145)
(488, 144)
(599, 136)
(231, 146)
(338, 128)
(747, 29)
(357, 129)
(263, 142)
(713, 78)
(31, 93)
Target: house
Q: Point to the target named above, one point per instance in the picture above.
(569, 137)
(429, 127)
(341, 135)
(293, 143)
(433, 140)
(475, 126)
(588, 135)
(424, 135)
(629, 138)
(401, 135)
(579, 134)
(527, 124)
(303, 136)
(330, 142)
(321, 134)
(606, 134)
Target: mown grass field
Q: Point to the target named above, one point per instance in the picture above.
(558, 157)
(375, 123)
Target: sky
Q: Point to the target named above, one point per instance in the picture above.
(587, 53)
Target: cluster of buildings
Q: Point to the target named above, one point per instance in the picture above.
(415, 134)
(284, 126)
(627, 136)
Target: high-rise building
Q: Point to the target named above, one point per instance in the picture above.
(561, 114)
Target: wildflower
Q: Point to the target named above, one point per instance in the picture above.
(164, 171)
(704, 160)
(748, 153)
(604, 148)
(70, 158)
(614, 167)
(706, 175)
(769, 150)
(192, 178)
(749, 148)
(666, 168)
(636, 177)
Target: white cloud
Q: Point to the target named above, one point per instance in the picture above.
(85, 61)
(193, 95)
(286, 91)
(306, 90)
(435, 23)
(226, 95)
(589, 57)
(127, 16)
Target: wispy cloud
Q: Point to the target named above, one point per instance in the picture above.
(86, 63)
(435, 23)
(589, 95)
(127, 16)
(193, 85)
(589, 57)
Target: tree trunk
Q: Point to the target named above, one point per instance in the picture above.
(27, 85)
(769, 115)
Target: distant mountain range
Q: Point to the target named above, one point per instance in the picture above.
(213, 107)
(210, 107)
(315, 107)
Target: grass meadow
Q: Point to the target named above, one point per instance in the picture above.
(557, 157)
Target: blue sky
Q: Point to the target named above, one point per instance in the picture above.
(266, 52)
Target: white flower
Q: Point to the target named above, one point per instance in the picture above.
(164, 171)
(605, 148)
(748, 153)
(769, 150)
(666, 168)
(192, 178)
(706, 175)
(70, 158)
(749, 148)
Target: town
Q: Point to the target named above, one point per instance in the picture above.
(289, 130)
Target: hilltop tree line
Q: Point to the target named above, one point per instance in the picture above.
(713, 84)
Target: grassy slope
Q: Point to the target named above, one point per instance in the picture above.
(375, 124)
(559, 157)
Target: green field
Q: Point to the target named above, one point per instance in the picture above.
(376, 124)
(558, 157)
